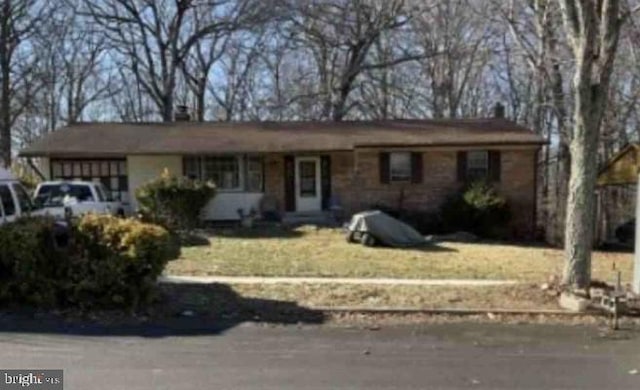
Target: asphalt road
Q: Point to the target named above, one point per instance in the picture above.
(459, 356)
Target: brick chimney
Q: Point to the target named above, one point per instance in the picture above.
(182, 114)
(498, 111)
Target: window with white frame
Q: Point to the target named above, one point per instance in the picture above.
(477, 164)
(224, 171)
(254, 179)
(230, 173)
(400, 166)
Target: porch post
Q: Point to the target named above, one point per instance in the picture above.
(636, 261)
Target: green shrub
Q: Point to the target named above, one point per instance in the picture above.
(477, 209)
(105, 262)
(125, 256)
(173, 202)
(31, 263)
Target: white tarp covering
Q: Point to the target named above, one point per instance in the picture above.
(386, 229)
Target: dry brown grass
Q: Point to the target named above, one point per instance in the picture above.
(520, 297)
(324, 253)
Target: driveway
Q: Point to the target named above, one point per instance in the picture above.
(250, 356)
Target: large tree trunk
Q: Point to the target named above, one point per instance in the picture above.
(201, 91)
(593, 29)
(581, 205)
(167, 108)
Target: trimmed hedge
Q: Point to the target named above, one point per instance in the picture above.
(99, 262)
(174, 202)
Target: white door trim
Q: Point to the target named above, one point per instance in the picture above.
(308, 203)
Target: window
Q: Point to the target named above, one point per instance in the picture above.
(53, 195)
(308, 187)
(103, 193)
(192, 167)
(477, 165)
(400, 166)
(254, 174)
(111, 173)
(231, 173)
(7, 201)
(223, 171)
(24, 200)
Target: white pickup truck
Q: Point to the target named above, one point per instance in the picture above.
(60, 198)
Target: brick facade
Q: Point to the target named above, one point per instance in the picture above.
(355, 182)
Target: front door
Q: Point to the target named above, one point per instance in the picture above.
(308, 194)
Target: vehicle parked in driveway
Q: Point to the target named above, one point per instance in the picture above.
(60, 198)
(14, 199)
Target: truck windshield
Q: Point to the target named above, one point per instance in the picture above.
(53, 195)
(24, 200)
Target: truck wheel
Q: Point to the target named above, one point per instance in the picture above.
(120, 213)
(367, 240)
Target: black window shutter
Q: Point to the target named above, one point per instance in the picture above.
(263, 186)
(383, 165)
(289, 184)
(325, 180)
(494, 165)
(416, 167)
(462, 166)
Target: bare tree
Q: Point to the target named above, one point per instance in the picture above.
(230, 89)
(339, 36)
(154, 37)
(592, 29)
(535, 29)
(198, 65)
(18, 21)
(464, 40)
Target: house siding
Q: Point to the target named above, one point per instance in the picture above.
(438, 181)
(356, 185)
(142, 169)
(341, 176)
(355, 182)
(44, 165)
(518, 186)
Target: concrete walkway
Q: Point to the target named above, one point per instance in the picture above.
(315, 280)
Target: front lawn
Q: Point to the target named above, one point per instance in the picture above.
(324, 252)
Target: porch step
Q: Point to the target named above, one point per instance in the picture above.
(317, 218)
